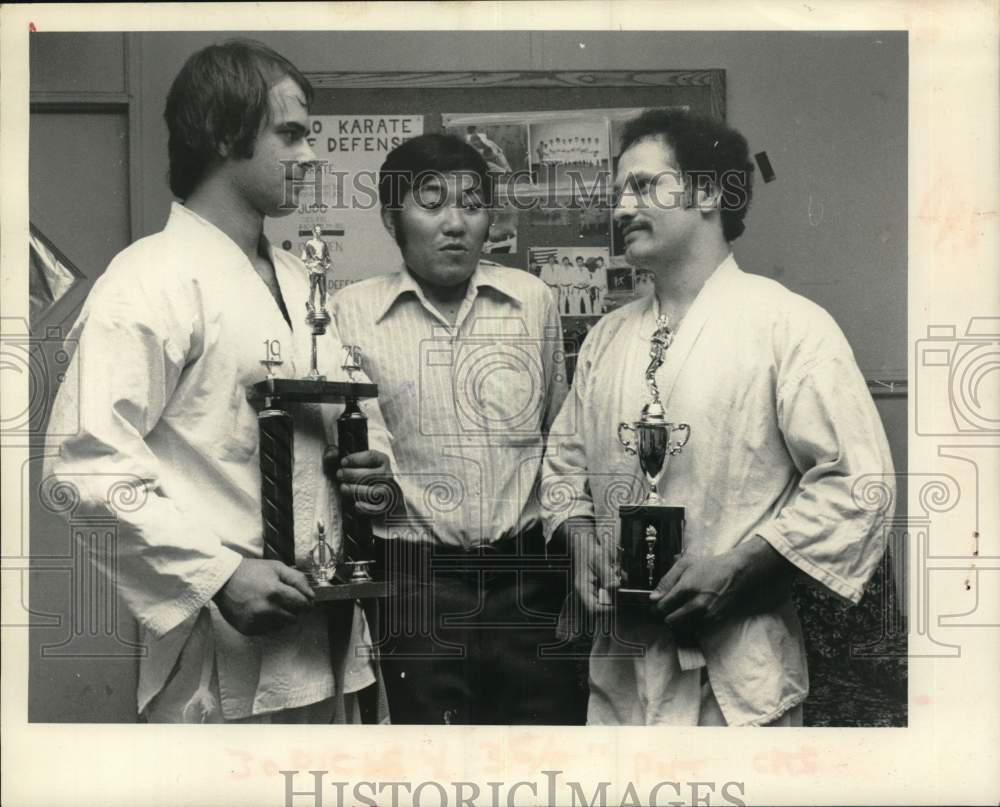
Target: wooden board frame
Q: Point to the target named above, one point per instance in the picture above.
(712, 79)
(711, 82)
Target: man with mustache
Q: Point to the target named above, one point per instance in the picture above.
(783, 430)
(468, 359)
(170, 338)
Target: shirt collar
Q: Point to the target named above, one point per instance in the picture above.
(494, 276)
(487, 274)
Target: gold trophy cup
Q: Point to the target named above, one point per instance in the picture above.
(652, 532)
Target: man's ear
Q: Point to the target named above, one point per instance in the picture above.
(389, 222)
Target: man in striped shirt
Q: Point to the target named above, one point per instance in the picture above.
(468, 359)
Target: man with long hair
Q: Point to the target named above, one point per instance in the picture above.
(170, 338)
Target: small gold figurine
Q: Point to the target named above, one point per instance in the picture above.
(322, 559)
(650, 552)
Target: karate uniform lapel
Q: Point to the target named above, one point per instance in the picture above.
(675, 360)
(285, 662)
(686, 336)
(678, 355)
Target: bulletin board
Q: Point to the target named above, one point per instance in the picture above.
(543, 124)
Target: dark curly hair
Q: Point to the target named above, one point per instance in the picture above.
(706, 151)
(221, 96)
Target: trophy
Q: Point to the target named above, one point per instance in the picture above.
(275, 399)
(651, 531)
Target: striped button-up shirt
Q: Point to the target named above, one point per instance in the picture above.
(468, 404)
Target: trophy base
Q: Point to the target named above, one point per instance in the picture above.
(642, 562)
(279, 390)
(369, 589)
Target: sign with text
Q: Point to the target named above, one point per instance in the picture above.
(341, 196)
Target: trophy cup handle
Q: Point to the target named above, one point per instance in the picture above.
(677, 446)
(629, 447)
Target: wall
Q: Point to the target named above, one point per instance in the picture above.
(82, 656)
(829, 109)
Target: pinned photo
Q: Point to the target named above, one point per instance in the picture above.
(621, 280)
(563, 148)
(504, 146)
(577, 277)
(502, 237)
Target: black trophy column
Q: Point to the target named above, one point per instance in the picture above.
(276, 442)
(352, 437)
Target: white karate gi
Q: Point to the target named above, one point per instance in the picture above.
(550, 275)
(169, 340)
(784, 438)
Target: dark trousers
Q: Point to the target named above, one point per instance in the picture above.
(469, 636)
